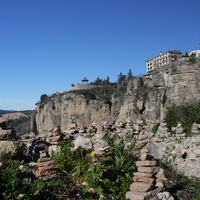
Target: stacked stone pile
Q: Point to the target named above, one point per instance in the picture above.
(179, 131)
(129, 124)
(119, 125)
(195, 128)
(142, 139)
(107, 126)
(162, 133)
(72, 129)
(136, 129)
(55, 136)
(93, 129)
(45, 170)
(144, 183)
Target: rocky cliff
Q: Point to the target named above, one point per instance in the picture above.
(149, 96)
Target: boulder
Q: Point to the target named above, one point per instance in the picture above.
(7, 134)
(82, 142)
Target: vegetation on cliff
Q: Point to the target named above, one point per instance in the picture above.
(186, 114)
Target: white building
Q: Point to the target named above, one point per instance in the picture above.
(162, 59)
(196, 52)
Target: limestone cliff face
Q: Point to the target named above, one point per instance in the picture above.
(62, 108)
(151, 95)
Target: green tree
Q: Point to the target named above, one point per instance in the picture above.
(43, 97)
(98, 81)
(186, 54)
(129, 75)
(121, 79)
(192, 59)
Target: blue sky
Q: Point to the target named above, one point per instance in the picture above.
(46, 45)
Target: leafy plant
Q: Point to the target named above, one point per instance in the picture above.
(106, 177)
(111, 176)
(155, 128)
(185, 114)
(16, 182)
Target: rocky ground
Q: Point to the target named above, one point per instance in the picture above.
(147, 182)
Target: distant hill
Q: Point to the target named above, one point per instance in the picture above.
(6, 111)
(19, 120)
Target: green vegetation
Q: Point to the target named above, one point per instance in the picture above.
(17, 182)
(103, 93)
(185, 114)
(80, 174)
(104, 177)
(192, 58)
(155, 128)
(89, 176)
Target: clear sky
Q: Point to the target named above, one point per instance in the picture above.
(46, 45)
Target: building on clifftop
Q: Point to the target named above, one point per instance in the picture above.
(162, 59)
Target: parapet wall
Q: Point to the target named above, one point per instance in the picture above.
(83, 87)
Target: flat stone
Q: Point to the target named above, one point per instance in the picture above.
(179, 130)
(145, 156)
(141, 187)
(141, 143)
(143, 195)
(43, 155)
(143, 179)
(143, 174)
(47, 163)
(44, 159)
(146, 163)
(147, 169)
(135, 195)
(56, 138)
(142, 137)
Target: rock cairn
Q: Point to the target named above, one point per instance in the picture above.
(144, 183)
(142, 139)
(45, 170)
(180, 131)
(195, 128)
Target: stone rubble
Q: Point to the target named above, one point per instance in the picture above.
(148, 180)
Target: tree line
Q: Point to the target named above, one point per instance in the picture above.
(122, 79)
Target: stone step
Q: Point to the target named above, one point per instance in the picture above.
(146, 163)
(141, 187)
(149, 175)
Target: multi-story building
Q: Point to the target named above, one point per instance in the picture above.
(162, 59)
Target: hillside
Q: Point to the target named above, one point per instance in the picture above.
(19, 120)
(6, 111)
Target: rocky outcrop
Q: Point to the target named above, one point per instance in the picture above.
(149, 96)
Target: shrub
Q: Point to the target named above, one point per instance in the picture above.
(106, 177)
(185, 114)
(155, 128)
(16, 182)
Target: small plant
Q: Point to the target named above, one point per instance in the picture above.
(155, 128)
(185, 114)
(106, 177)
(16, 182)
(111, 176)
